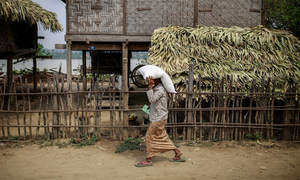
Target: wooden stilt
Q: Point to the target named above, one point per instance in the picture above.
(125, 87)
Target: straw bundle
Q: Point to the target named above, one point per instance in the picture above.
(244, 53)
(31, 12)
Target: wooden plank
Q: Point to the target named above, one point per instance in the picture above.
(138, 47)
(60, 46)
(143, 8)
(86, 47)
(68, 16)
(124, 16)
(69, 65)
(205, 10)
(263, 13)
(255, 10)
(195, 12)
(107, 38)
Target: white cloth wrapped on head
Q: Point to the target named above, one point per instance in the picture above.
(155, 73)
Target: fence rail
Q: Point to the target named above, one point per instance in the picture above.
(226, 111)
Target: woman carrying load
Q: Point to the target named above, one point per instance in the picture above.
(157, 139)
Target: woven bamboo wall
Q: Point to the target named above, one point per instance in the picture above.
(136, 17)
(242, 13)
(144, 16)
(96, 16)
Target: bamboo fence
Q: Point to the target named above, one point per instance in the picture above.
(228, 110)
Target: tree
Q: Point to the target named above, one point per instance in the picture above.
(283, 14)
(42, 51)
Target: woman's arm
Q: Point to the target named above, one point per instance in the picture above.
(153, 97)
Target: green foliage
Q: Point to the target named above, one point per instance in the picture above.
(89, 76)
(24, 71)
(130, 143)
(62, 54)
(253, 136)
(13, 138)
(74, 142)
(283, 14)
(85, 141)
(42, 51)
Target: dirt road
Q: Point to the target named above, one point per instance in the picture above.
(227, 160)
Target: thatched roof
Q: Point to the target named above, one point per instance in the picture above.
(244, 53)
(31, 12)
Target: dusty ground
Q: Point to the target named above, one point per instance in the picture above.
(227, 160)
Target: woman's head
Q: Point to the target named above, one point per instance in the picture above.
(157, 81)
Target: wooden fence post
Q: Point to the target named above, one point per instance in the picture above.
(125, 87)
(190, 102)
(69, 65)
(55, 121)
(84, 70)
(289, 116)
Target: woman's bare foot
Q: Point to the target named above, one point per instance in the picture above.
(146, 162)
(177, 153)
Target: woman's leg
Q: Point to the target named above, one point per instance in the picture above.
(177, 153)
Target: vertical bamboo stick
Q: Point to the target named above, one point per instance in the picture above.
(89, 107)
(1, 107)
(262, 103)
(114, 105)
(172, 117)
(24, 109)
(273, 97)
(40, 108)
(176, 113)
(95, 105)
(229, 89)
(185, 118)
(100, 101)
(232, 112)
(223, 104)
(110, 106)
(120, 114)
(49, 89)
(8, 107)
(212, 111)
(194, 130)
(217, 131)
(64, 106)
(55, 121)
(17, 106)
(268, 103)
(241, 135)
(76, 115)
(252, 91)
(297, 90)
(236, 111)
(200, 108)
(29, 109)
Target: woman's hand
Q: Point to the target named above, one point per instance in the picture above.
(150, 82)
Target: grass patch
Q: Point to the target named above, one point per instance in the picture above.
(129, 144)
